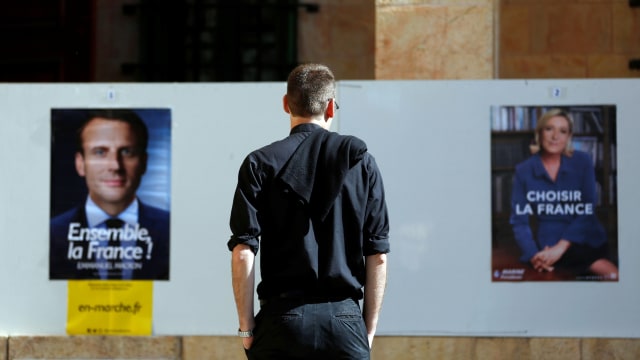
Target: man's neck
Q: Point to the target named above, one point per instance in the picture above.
(320, 121)
(113, 209)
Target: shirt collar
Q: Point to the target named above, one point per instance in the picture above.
(306, 127)
(96, 216)
(540, 171)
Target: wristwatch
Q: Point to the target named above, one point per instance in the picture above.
(245, 334)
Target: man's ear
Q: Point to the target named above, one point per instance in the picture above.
(285, 104)
(331, 106)
(80, 164)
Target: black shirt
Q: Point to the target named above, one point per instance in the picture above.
(302, 251)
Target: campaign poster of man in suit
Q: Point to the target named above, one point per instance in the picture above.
(110, 194)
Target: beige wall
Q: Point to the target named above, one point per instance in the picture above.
(477, 39)
(341, 35)
(438, 39)
(401, 39)
(434, 39)
(392, 348)
(568, 39)
(117, 38)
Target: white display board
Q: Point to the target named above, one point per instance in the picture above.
(432, 142)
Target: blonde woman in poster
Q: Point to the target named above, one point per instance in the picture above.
(557, 187)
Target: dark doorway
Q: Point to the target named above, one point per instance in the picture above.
(209, 40)
(45, 40)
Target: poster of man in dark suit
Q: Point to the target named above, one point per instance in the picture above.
(110, 194)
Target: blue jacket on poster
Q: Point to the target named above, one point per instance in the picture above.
(565, 208)
(155, 267)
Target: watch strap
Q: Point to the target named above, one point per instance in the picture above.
(245, 334)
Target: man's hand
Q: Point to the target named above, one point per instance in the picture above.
(247, 342)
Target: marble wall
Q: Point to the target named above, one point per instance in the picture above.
(385, 348)
(568, 39)
(341, 35)
(401, 39)
(434, 39)
(117, 41)
(474, 39)
(94, 347)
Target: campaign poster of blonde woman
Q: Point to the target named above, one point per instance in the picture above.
(554, 206)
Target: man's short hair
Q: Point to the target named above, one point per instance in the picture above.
(309, 88)
(125, 115)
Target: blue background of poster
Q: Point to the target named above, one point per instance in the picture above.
(68, 189)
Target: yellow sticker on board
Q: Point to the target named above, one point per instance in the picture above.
(109, 307)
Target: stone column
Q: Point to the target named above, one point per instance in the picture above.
(435, 39)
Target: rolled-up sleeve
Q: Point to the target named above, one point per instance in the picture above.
(376, 224)
(245, 228)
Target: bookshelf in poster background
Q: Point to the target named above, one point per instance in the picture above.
(513, 133)
(586, 119)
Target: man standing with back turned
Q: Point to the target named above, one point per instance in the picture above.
(314, 203)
